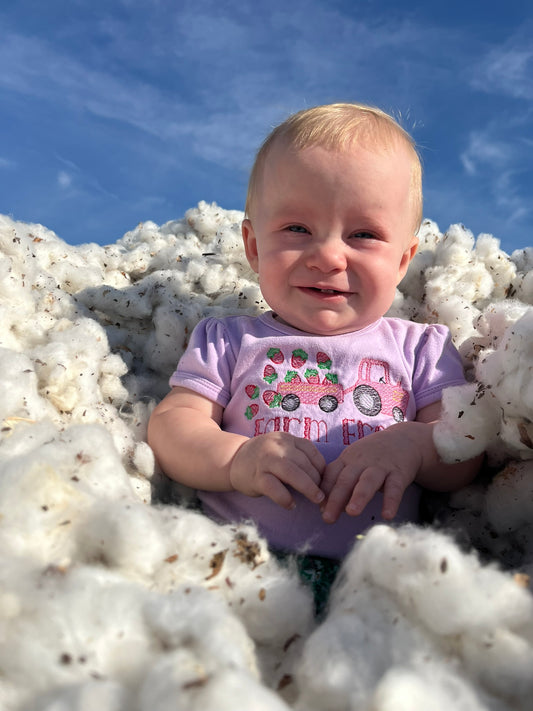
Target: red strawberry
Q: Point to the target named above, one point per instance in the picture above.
(323, 360)
(311, 375)
(252, 410)
(275, 355)
(269, 374)
(252, 391)
(292, 377)
(272, 398)
(298, 358)
(331, 378)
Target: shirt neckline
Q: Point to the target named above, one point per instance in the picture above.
(268, 318)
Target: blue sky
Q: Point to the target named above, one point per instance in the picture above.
(114, 112)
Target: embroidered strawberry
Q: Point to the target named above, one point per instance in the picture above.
(298, 358)
(331, 378)
(292, 377)
(272, 398)
(252, 391)
(311, 375)
(275, 355)
(252, 410)
(323, 360)
(269, 374)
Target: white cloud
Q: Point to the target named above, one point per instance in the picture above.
(5, 163)
(64, 179)
(507, 70)
(484, 150)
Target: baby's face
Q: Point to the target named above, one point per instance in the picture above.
(331, 235)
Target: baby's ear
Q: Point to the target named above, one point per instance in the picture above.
(250, 244)
(407, 257)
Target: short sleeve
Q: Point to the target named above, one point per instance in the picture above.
(208, 362)
(437, 365)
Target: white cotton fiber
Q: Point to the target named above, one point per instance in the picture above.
(432, 688)
(509, 499)
(117, 597)
(409, 601)
(478, 408)
(100, 695)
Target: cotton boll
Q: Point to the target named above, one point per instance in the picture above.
(471, 281)
(124, 537)
(497, 263)
(502, 661)
(269, 599)
(464, 596)
(469, 423)
(180, 683)
(196, 619)
(509, 498)
(451, 310)
(19, 386)
(421, 600)
(509, 369)
(207, 218)
(496, 319)
(232, 690)
(429, 236)
(68, 366)
(455, 247)
(46, 489)
(434, 688)
(103, 695)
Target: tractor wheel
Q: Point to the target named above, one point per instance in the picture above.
(367, 400)
(290, 402)
(398, 414)
(328, 403)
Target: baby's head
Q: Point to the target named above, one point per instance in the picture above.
(339, 127)
(334, 204)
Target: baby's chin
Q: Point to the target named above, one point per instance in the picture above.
(318, 330)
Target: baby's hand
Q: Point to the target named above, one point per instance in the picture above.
(267, 465)
(388, 460)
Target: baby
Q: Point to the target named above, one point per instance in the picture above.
(315, 419)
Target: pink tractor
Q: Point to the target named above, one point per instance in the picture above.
(373, 393)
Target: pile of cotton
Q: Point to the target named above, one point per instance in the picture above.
(117, 594)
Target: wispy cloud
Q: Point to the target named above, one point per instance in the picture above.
(238, 72)
(64, 179)
(484, 150)
(507, 70)
(6, 163)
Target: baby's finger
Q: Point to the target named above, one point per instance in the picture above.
(393, 491)
(331, 474)
(341, 491)
(301, 476)
(368, 484)
(274, 489)
(314, 462)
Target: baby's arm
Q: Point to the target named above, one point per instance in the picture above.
(390, 460)
(184, 432)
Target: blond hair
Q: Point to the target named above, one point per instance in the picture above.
(337, 127)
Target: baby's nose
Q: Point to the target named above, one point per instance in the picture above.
(327, 256)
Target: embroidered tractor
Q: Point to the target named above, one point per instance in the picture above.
(373, 392)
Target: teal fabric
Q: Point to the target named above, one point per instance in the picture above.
(315, 572)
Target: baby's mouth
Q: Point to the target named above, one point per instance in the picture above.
(327, 292)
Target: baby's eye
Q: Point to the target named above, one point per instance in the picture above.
(364, 235)
(297, 228)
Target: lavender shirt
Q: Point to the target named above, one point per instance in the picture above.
(330, 389)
